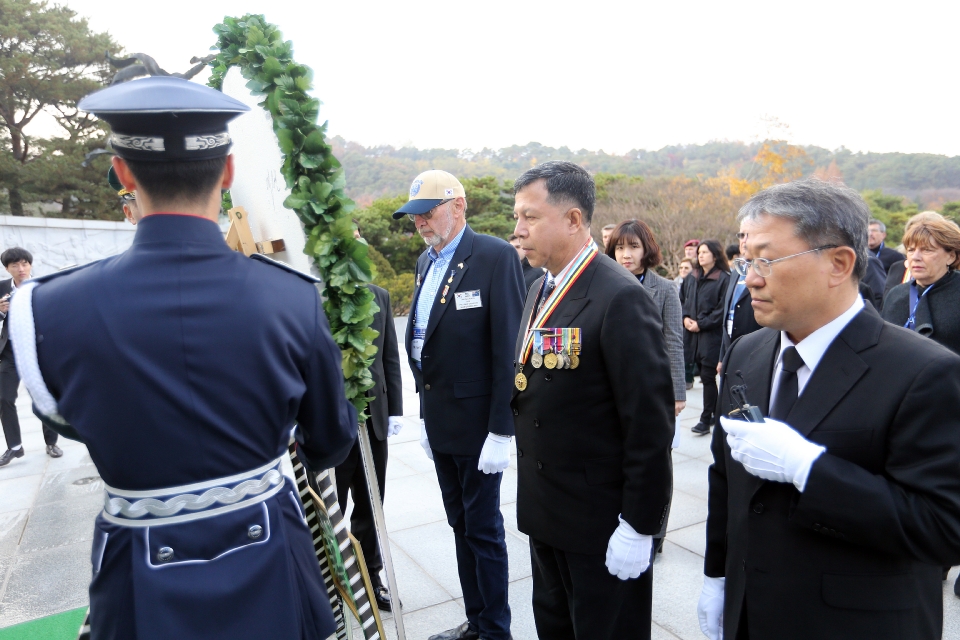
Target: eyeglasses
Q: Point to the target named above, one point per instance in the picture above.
(741, 236)
(429, 214)
(764, 267)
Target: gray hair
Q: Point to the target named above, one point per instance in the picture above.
(883, 227)
(824, 213)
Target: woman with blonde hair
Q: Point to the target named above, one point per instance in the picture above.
(928, 303)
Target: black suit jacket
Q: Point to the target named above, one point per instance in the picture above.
(467, 355)
(858, 554)
(6, 286)
(594, 442)
(387, 385)
(743, 320)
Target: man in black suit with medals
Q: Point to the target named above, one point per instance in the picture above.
(593, 406)
(386, 419)
(19, 264)
(832, 517)
(465, 315)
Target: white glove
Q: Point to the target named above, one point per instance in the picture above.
(394, 424)
(628, 552)
(710, 607)
(495, 455)
(424, 442)
(772, 450)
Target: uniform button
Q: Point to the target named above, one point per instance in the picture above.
(255, 532)
(520, 453)
(539, 465)
(536, 423)
(426, 387)
(516, 411)
(548, 377)
(165, 554)
(758, 508)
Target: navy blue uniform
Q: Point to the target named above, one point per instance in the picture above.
(177, 362)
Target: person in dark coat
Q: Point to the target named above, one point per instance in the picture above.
(930, 303)
(739, 319)
(703, 316)
(832, 517)
(183, 367)
(593, 433)
(386, 419)
(887, 256)
(465, 314)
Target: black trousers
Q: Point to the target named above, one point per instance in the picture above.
(9, 385)
(350, 477)
(708, 375)
(471, 499)
(576, 598)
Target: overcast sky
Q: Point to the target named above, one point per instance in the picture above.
(870, 76)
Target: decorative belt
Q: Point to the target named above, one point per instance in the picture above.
(193, 501)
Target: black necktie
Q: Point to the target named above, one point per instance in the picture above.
(789, 388)
(551, 283)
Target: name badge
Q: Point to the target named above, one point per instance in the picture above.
(416, 345)
(468, 299)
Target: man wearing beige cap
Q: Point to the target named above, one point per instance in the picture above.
(465, 317)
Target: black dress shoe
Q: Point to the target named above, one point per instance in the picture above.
(382, 596)
(54, 451)
(700, 429)
(9, 455)
(463, 632)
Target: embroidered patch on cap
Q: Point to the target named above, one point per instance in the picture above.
(415, 188)
(448, 193)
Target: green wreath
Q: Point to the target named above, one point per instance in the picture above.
(316, 181)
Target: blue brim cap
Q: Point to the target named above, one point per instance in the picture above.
(416, 207)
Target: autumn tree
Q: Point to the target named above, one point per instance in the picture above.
(49, 59)
(776, 162)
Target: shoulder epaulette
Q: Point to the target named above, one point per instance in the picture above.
(62, 272)
(286, 267)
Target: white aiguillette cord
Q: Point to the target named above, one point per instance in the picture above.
(23, 332)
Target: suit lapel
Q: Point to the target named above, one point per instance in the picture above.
(575, 300)
(838, 371)
(464, 249)
(757, 373)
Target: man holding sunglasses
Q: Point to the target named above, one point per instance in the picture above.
(832, 516)
(460, 337)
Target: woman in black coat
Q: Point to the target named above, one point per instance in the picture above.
(930, 302)
(703, 315)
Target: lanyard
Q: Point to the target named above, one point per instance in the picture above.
(915, 299)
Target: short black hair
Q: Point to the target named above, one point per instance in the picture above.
(15, 254)
(565, 182)
(732, 250)
(188, 180)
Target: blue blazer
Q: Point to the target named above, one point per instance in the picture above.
(467, 378)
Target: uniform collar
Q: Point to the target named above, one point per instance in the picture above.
(175, 227)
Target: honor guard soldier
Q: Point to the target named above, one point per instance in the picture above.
(466, 311)
(183, 367)
(593, 406)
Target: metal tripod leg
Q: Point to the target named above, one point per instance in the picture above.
(380, 525)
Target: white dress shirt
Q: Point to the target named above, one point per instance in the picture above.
(812, 348)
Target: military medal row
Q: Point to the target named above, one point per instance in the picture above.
(554, 349)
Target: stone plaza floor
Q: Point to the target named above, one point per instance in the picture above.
(47, 508)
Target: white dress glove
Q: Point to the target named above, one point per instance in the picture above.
(628, 552)
(772, 450)
(710, 607)
(394, 424)
(495, 455)
(424, 442)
